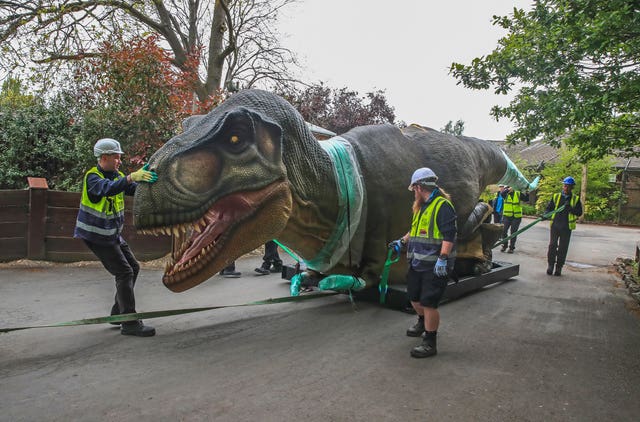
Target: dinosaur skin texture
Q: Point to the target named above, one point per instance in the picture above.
(251, 171)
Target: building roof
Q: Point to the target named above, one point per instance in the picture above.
(538, 152)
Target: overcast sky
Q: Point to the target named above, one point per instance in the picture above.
(404, 47)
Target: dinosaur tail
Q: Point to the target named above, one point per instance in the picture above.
(514, 178)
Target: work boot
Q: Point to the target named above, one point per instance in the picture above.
(550, 269)
(137, 328)
(115, 310)
(230, 273)
(262, 271)
(416, 329)
(510, 250)
(503, 248)
(558, 270)
(277, 267)
(427, 348)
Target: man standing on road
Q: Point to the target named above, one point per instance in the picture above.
(100, 222)
(562, 223)
(431, 254)
(511, 215)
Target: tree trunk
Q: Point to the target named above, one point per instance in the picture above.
(216, 57)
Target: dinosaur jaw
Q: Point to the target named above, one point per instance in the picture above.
(234, 225)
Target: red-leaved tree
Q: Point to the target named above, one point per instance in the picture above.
(133, 93)
(340, 109)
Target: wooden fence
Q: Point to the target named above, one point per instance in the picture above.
(38, 224)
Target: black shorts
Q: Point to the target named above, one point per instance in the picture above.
(425, 287)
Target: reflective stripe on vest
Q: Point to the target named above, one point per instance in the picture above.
(101, 221)
(425, 236)
(572, 203)
(512, 207)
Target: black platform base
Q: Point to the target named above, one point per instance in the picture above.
(397, 294)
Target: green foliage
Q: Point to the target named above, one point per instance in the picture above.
(576, 63)
(602, 197)
(528, 209)
(453, 129)
(39, 140)
(12, 94)
(131, 93)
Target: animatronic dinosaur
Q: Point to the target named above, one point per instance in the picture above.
(251, 171)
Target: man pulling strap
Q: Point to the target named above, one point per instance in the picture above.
(562, 224)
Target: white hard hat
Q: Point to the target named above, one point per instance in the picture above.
(425, 176)
(107, 146)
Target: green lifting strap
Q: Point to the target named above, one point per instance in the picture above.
(158, 314)
(383, 285)
(350, 200)
(527, 227)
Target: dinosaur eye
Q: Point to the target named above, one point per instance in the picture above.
(236, 140)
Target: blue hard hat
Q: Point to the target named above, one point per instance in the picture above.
(568, 181)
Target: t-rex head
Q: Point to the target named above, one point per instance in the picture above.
(222, 187)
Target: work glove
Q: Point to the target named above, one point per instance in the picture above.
(441, 267)
(396, 244)
(144, 175)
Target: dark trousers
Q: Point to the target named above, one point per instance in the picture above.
(271, 253)
(497, 217)
(511, 225)
(120, 262)
(558, 246)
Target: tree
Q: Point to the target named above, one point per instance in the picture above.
(231, 41)
(453, 129)
(576, 65)
(131, 92)
(39, 139)
(341, 109)
(600, 202)
(13, 94)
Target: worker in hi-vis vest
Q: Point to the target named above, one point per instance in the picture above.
(511, 215)
(100, 222)
(562, 224)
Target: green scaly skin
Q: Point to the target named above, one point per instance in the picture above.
(280, 173)
(251, 171)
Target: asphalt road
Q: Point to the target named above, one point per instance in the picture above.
(535, 348)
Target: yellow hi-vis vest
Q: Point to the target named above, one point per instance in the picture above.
(425, 238)
(102, 221)
(572, 203)
(512, 206)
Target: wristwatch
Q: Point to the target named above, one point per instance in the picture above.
(443, 256)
